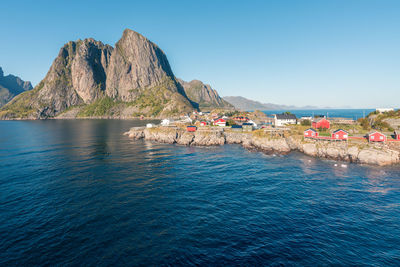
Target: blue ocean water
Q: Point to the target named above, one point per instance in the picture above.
(342, 113)
(79, 193)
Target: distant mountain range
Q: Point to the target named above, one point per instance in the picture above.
(11, 86)
(243, 103)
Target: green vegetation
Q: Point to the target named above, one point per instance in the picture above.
(101, 107)
(153, 100)
(22, 105)
(364, 123)
(306, 123)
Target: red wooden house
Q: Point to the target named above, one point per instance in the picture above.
(310, 133)
(376, 137)
(340, 135)
(321, 123)
(220, 122)
(191, 128)
(203, 123)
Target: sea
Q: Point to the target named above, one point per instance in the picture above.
(354, 114)
(79, 193)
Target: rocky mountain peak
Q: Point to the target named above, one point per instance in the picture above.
(87, 71)
(135, 64)
(204, 95)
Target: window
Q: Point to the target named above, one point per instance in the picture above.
(381, 137)
(345, 136)
(337, 136)
(372, 137)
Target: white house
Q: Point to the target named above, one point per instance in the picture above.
(284, 119)
(165, 122)
(252, 122)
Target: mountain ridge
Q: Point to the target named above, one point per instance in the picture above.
(204, 95)
(132, 79)
(243, 103)
(11, 86)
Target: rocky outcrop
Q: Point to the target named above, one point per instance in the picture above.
(205, 97)
(11, 86)
(135, 76)
(337, 150)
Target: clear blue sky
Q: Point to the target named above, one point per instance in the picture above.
(299, 52)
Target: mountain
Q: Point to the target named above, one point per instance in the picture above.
(243, 103)
(203, 95)
(10, 86)
(92, 79)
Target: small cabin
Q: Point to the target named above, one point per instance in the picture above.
(220, 122)
(247, 127)
(237, 128)
(321, 123)
(310, 133)
(340, 135)
(191, 128)
(396, 135)
(376, 137)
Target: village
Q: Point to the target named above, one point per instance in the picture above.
(319, 128)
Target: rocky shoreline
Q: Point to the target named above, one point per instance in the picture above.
(342, 151)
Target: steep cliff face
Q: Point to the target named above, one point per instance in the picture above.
(10, 86)
(203, 95)
(133, 79)
(136, 64)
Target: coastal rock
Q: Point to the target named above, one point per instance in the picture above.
(236, 138)
(208, 139)
(352, 153)
(136, 133)
(185, 138)
(378, 157)
(330, 150)
(310, 149)
(165, 135)
(268, 145)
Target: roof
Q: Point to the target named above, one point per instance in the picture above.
(374, 132)
(338, 130)
(286, 117)
(191, 126)
(237, 126)
(319, 119)
(247, 124)
(310, 129)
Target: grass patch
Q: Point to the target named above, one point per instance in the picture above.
(101, 107)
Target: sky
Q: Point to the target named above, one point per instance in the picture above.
(326, 53)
